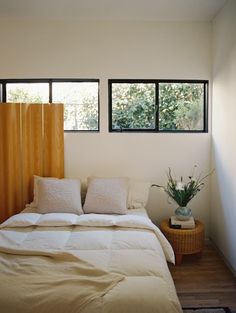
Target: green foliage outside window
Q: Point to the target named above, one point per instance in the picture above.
(20, 95)
(82, 117)
(133, 106)
(80, 104)
(80, 101)
(181, 106)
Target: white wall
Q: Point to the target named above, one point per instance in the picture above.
(118, 50)
(223, 205)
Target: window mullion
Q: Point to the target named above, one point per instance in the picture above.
(205, 107)
(50, 91)
(4, 92)
(157, 106)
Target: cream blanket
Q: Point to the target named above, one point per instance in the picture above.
(41, 256)
(33, 283)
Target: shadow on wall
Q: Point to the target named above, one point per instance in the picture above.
(223, 206)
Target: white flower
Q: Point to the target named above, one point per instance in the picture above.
(180, 186)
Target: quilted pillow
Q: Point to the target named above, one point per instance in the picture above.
(34, 203)
(59, 196)
(106, 196)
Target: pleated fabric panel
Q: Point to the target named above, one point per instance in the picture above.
(31, 143)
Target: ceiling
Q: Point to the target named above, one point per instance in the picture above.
(146, 10)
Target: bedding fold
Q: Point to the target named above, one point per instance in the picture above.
(39, 281)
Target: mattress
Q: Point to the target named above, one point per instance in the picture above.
(130, 247)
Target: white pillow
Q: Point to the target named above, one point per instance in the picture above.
(34, 203)
(138, 194)
(106, 196)
(59, 196)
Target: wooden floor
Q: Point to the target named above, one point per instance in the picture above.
(204, 282)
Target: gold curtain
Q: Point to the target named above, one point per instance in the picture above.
(31, 143)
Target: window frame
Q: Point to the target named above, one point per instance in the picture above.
(50, 81)
(157, 82)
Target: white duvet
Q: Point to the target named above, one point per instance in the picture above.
(129, 245)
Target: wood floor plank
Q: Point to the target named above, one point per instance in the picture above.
(204, 281)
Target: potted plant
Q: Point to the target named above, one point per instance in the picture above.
(182, 192)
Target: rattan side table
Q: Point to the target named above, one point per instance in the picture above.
(184, 241)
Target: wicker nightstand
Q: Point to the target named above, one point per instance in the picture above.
(184, 241)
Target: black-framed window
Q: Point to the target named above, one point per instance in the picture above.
(80, 98)
(158, 105)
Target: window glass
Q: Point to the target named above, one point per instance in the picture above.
(181, 106)
(133, 106)
(27, 92)
(158, 105)
(81, 104)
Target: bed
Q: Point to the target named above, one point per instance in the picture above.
(65, 262)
